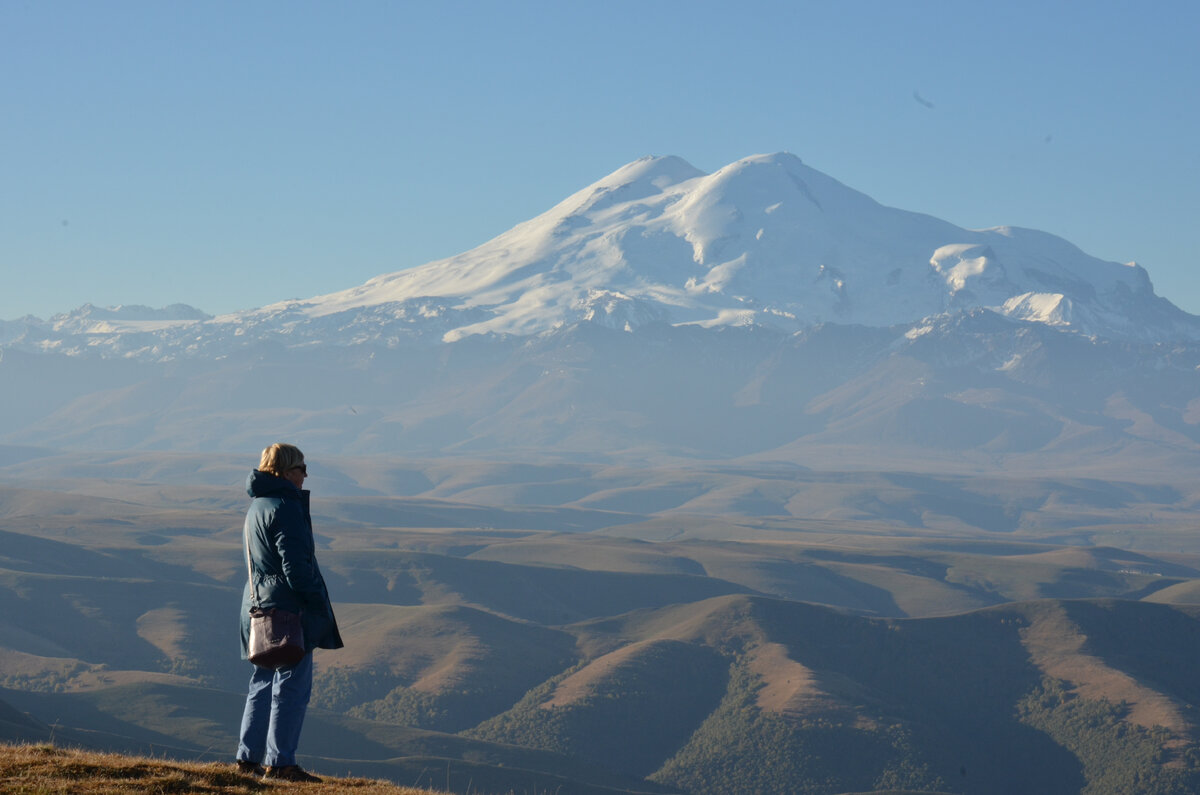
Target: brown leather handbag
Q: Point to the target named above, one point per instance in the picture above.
(276, 636)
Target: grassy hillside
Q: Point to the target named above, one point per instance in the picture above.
(625, 711)
(443, 667)
(817, 701)
(190, 723)
(664, 652)
(45, 768)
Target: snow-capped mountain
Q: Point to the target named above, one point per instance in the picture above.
(765, 311)
(765, 241)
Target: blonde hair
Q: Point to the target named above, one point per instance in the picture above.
(279, 458)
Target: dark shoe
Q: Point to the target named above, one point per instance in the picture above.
(290, 773)
(249, 768)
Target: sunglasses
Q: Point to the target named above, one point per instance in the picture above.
(303, 469)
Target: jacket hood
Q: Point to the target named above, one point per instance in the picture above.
(264, 484)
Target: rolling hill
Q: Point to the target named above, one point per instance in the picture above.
(803, 656)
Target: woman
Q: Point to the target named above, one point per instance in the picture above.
(282, 558)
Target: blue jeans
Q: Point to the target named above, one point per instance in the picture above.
(274, 714)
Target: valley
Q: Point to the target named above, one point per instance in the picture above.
(605, 650)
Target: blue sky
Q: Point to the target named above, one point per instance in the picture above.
(232, 154)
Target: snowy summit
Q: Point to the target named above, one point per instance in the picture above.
(763, 241)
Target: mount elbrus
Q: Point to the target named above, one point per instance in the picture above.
(750, 310)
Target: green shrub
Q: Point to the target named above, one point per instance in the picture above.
(1118, 757)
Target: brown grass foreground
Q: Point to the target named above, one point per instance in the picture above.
(47, 770)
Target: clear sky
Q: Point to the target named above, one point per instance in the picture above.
(231, 154)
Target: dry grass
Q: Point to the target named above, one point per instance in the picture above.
(47, 770)
(1056, 645)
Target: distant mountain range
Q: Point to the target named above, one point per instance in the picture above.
(763, 310)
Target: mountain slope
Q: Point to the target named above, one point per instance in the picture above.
(798, 698)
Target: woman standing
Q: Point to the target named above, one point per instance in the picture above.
(284, 574)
